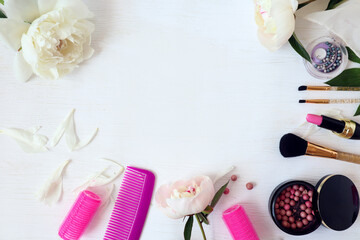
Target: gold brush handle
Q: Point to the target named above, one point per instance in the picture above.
(348, 157)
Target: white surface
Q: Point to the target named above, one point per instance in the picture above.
(179, 87)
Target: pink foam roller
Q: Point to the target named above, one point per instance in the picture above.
(79, 216)
(239, 224)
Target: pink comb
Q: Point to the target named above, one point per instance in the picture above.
(131, 206)
(79, 216)
(239, 224)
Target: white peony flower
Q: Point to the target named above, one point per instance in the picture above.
(276, 21)
(51, 36)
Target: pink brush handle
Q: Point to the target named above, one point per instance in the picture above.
(79, 216)
(239, 224)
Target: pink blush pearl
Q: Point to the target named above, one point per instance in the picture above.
(287, 200)
(282, 212)
(282, 197)
(308, 210)
(310, 193)
(306, 197)
(301, 188)
(296, 198)
(281, 203)
(296, 187)
(287, 194)
(250, 186)
(293, 225)
(286, 206)
(305, 222)
(308, 204)
(302, 206)
(288, 213)
(291, 219)
(303, 214)
(292, 203)
(226, 191)
(233, 178)
(278, 217)
(297, 193)
(299, 224)
(276, 205)
(277, 211)
(309, 218)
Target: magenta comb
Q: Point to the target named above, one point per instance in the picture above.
(131, 206)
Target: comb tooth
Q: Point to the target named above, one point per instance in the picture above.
(131, 203)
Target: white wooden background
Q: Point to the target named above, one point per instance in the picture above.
(179, 87)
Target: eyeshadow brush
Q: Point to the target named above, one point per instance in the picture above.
(327, 88)
(294, 146)
(330, 101)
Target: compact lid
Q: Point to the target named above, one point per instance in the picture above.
(337, 202)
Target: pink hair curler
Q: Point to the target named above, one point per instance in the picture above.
(79, 216)
(239, 224)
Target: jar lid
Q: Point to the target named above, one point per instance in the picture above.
(337, 202)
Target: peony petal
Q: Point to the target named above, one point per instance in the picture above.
(46, 6)
(222, 173)
(342, 21)
(28, 50)
(76, 8)
(28, 140)
(51, 191)
(23, 70)
(24, 10)
(196, 204)
(101, 179)
(67, 128)
(61, 129)
(11, 32)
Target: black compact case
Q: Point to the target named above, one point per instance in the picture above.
(335, 204)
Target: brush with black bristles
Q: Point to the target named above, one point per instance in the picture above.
(294, 146)
(327, 88)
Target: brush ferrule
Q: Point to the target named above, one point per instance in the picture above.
(318, 101)
(319, 151)
(319, 88)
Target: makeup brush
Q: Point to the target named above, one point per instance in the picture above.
(329, 101)
(294, 146)
(327, 88)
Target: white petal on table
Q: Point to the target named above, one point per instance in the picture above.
(28, 140)
(342, 21)
(67, 128)
(51, 191)
(23, 70)
(101, 179)
(11, 32)
(23, 10)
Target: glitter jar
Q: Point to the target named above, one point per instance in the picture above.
(329, 57)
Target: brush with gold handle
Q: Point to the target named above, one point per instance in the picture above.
(293, 146)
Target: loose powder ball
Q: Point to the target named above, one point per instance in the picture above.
(293, 207)
(250, 186)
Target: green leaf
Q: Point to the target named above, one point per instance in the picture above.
(348, 78)
(2, 14)
(357, 113)
(334, 3)
(203, 218)
(352, 55)
(300, 5)
(2, 2)
(218, 195)
(208, 210)
(298, 47)
(188, 227)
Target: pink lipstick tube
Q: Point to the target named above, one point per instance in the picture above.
(79, 216)
(239, 223)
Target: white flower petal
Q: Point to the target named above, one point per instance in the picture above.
(342, 21)
(67, 128)
(28, 50)
(76, 7)
(22, 69)
(84, 143)
(222, 173)
(28, 140)
(11, 32)
(46, 6)
(61, 129)
(51, 191)
(101, 178)
(25, 10)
